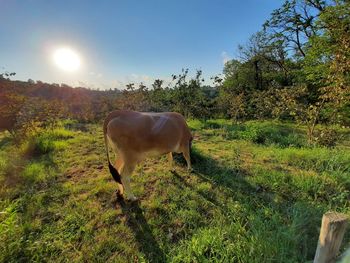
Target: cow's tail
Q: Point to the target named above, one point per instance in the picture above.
(114, 172)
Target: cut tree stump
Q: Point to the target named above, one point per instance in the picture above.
(331, 235)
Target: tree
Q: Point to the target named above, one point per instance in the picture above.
(7, 75)
(295, 22)
(188, 96)
(327, 65)
(134, 99)
(160, 97)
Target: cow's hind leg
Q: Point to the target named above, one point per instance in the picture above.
(119, 163)
(126, 172)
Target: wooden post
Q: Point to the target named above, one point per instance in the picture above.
(331, 235)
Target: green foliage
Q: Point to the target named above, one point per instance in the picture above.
(327, 137)
(295, 22)
(11, 104)
(45, 142)
(265, 133)
(35, 172)
(188, 96)
(317, 159)
(317, 60)
(134, 99)
(195, 124)
(308, 83)
(274, 134)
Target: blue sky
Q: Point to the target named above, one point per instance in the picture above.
(125, 41)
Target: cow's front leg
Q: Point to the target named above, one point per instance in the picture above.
(171, 162)
(125, 178)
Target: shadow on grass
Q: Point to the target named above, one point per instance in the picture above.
(142, 231)
(230, 180)
(301, 218)
(4, 141)
(17, 164)
(210, 170)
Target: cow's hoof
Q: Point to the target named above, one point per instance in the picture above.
(190, 170)
(119, 194)
(132, 199)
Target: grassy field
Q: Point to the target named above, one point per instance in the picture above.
(257, 194)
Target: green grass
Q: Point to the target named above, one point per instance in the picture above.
(265, 133)
(257, 195)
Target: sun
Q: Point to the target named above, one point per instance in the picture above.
(66, 59)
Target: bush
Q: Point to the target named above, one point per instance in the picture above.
(25, 116)
(37, 145)
(195, 124)
(326, 137)
(267, 133)
(45, 142)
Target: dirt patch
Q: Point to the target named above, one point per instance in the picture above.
(74, 173)
(12, 174)
(10, 182)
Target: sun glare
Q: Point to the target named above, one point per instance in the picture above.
(66, 59)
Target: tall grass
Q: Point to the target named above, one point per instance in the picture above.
(46, 142)
(264, 133)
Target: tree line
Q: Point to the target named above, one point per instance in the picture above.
(297, 68)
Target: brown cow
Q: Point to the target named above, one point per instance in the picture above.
(135, 136)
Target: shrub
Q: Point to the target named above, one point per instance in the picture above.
(10, 106)
(267, 133)
(45, 142)
(326, 137)
(37, 113)
(37, 145)
(25, 116)
(195, 124)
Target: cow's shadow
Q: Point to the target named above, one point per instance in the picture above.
(5, 141)
(210, 170)
(142, 231)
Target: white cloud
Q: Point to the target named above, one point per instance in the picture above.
(117, 84)
(225, 57)
(134, 76)
(94, 74)
(146, 78)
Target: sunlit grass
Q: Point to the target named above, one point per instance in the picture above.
(247, 201)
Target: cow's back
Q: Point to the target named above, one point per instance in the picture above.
(147, 132)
